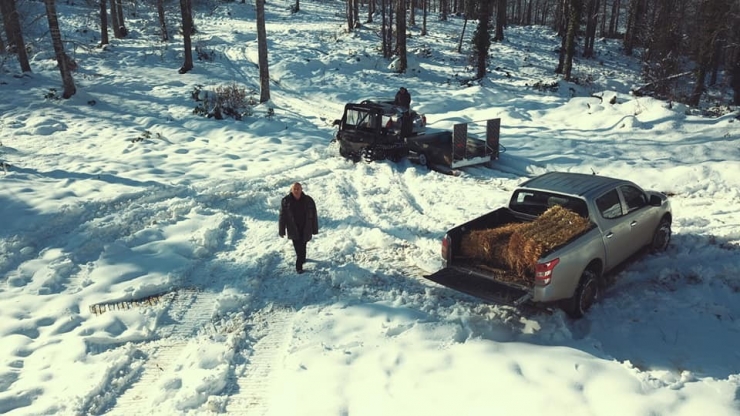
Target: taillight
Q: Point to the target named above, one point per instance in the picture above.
(423, 120)
(445, 246)
(543, 272)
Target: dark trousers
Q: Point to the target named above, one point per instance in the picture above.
(300, 250)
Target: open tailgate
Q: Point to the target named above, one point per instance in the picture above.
(474, 284)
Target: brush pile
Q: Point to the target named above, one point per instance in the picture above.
(518, 246)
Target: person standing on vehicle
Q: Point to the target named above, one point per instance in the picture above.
(403, 99)
(298, 217)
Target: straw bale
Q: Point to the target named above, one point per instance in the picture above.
(553, 228)
(488, 245)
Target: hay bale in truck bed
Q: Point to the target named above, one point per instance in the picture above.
(490, 246)
(553, 228)
(518, 246)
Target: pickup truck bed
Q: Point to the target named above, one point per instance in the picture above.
(476, 278)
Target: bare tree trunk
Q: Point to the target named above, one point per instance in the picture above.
(262, 52)
(614, 20)
(574, 16)
(412, 12)
(162, 21)
(500, 19)
(401, 36)
(734, 69)
(462, 34)
(389, 32)
(103, 23)
(187, 30)
(356, 12)
(14, 34)
(350, 18)
(592, 7)
(633, 33)
(370, 10)
(546, 11)
(701, 75)
(715, 61)
(561, 18)
(385, 28)
(121, 20)
(424, 7)
(62, 59)
(713, 25)
(482, 40)
(114, 20)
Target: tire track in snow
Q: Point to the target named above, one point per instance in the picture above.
(251, 389)
(190, 311)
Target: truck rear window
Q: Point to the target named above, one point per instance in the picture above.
(537, 202)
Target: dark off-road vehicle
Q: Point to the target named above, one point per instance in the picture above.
(377, 130)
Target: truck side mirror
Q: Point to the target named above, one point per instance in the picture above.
(336, 122)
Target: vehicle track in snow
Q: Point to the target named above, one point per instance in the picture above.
(250, 387)
(187, 314)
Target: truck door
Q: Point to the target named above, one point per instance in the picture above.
(616, 231)
(639, 216)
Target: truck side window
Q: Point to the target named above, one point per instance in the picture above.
(634, 197)
(609, 205)
(353, 118)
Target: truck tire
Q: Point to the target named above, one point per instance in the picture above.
(423, 159)
(368, 154)
(662, 236)
(587, 293)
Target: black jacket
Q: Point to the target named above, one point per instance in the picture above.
(298, 213)
(403, 98)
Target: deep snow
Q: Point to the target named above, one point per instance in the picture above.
(142, 272)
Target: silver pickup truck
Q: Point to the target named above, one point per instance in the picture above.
(624, 219)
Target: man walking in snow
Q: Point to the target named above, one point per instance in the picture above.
(298, 217)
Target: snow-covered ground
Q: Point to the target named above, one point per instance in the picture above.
(141, 270)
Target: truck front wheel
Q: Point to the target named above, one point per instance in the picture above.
(587, 293)
(662, 236)
(423, 159)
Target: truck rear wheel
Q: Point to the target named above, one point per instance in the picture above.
(587, 293)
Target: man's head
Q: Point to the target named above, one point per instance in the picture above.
(296, 189)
